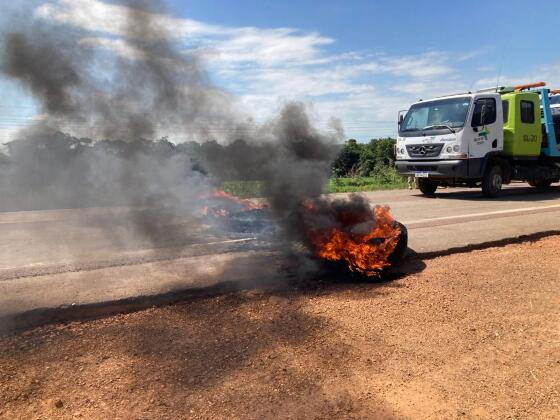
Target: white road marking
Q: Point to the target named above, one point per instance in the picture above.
(490, 213)
(229, 241)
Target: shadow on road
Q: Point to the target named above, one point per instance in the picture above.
(508, 194)
(240, 350)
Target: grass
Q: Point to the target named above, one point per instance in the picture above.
(244, 189)
(361, 184)
(390, 181)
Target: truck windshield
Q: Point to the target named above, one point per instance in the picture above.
(440, 114)
(555, 100)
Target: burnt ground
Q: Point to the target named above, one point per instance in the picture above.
(473, 335)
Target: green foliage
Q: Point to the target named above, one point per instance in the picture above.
(244, 189)
(348, 159)
(358, 167)
(365, 159)
(358, 184)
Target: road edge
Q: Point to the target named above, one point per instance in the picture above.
(15, 323)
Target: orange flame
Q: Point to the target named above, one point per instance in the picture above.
(365, 253)
(364, 240)
(245, 203)
(222, 196)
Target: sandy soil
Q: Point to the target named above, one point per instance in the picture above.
(473, 335)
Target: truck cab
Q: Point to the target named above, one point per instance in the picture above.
(555, 103)
(485, 139)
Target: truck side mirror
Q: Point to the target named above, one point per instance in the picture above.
(401, 119)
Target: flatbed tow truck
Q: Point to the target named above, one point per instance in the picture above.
(483, 139)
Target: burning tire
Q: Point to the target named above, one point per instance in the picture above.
(341, 268)
(364, 239)
(402, 245)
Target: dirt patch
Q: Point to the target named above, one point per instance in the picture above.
(473, 335)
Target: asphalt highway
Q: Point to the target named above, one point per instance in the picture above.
(75, 257)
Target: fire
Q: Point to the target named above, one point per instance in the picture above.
(366, 249)
(244, 203)
(222, 204)
(346, 230)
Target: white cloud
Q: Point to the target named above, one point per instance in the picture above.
(7, 134)
(228, 44)
(423, 66)
(280, 47)
(468, 55)
(265, 67)
(542, 73)
(97, 16)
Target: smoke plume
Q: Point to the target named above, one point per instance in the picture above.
(115, 96)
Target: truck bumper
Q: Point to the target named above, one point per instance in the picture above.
(435, 168)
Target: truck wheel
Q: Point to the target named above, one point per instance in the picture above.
(541, 184)
(492, 181)
(427, 186)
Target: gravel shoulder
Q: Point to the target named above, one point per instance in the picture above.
(473, 335)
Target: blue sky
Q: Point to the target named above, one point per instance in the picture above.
(359, 61)
(387, 25)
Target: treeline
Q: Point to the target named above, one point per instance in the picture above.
(56, 170)
(373, 159)
(54, 150)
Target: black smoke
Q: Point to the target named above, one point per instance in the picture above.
(117, 103)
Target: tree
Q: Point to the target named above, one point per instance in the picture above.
(348, 159)
(384, 151)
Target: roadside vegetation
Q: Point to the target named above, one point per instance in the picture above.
(388, 180)
(358, 167)
(366, 167)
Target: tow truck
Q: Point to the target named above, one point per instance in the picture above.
(482, 139)
(555, 102)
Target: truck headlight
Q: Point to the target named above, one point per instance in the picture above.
(456, 148)
(449, 149)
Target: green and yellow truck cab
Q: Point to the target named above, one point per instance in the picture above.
(522, 124)
(482, 139)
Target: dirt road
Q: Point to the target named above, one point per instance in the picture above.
(472, 335)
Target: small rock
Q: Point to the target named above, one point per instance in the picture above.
(59, 404)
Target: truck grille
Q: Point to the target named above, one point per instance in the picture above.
(424, 150)
(432, 168)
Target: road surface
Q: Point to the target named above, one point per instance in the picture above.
(61, 258)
